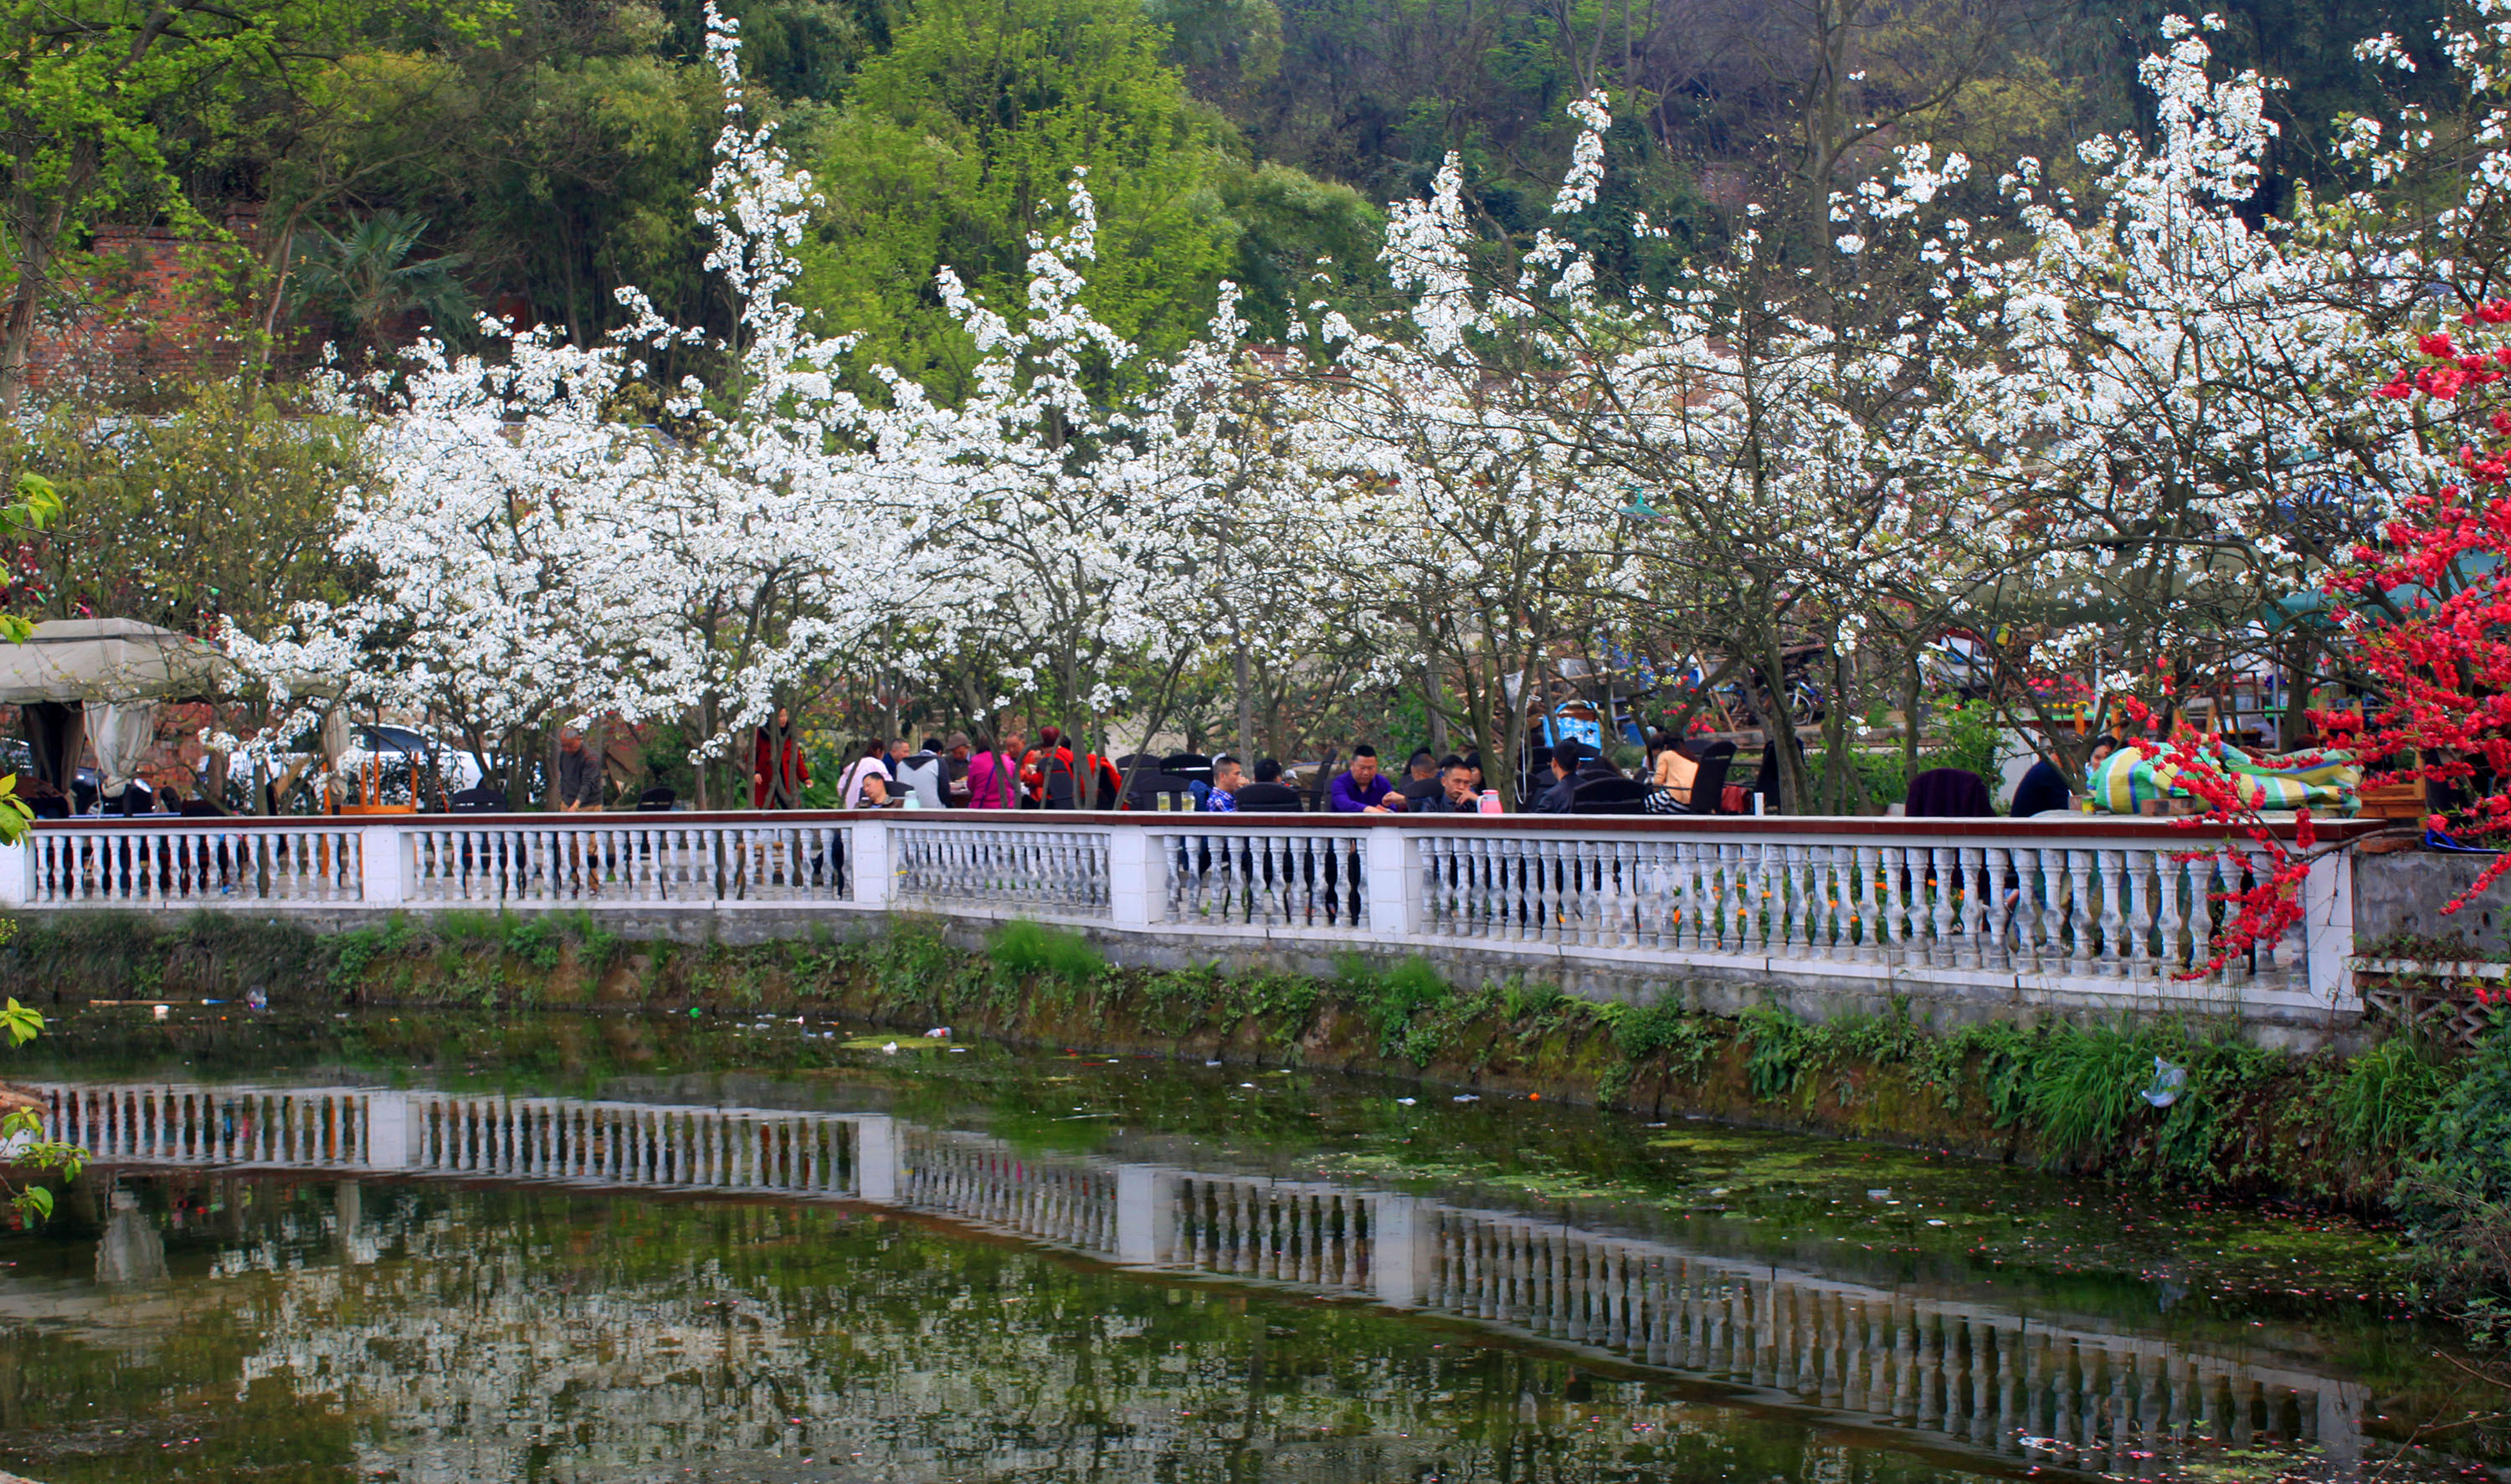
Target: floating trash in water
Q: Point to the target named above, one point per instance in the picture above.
(1408, 1102)
(1246, 1084)
(2168, 1079)
(1938, 1221)
(939, 1034)
(1466, 1097)
(1213, 1062)
(890, 1048)
(1884, 1194)
(255, 999)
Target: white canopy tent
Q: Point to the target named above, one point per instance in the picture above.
(99, 680)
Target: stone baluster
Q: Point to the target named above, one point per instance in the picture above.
(2001, 888)
(1972, 907)
(2112, 869)
(2137, 888)
(1826, 886)
(1729, 894)
(1938, 886)
(1894, 875)
(2280, 963)
(1534, 891)
(1866, 895)
(1587, 861)
(1791, 903)
(2200, 877)
(1686, 894)
(2044, 934)
(2082, 921)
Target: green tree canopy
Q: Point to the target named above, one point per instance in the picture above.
(961, 141)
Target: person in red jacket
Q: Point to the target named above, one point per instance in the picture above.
(1053, 783)
(778, 769)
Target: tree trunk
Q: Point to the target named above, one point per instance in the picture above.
(18, 329)
(1246, 702)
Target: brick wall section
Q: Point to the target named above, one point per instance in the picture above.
(151, 303)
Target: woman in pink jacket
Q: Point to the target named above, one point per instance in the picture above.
(993, 776)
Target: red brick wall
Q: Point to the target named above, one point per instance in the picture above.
(146, 303)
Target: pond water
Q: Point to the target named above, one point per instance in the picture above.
(643, 1249)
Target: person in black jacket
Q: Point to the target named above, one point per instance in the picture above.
(1268, 793)
(1421, 785)
(2042, 789)
(1565, 759)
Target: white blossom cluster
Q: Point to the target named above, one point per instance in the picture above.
(2110, 414)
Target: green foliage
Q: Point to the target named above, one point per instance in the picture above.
(355, 950)
(1972, 740)
(535, 940)
(1521, 1000)
(1884, 780)
(2084, 1088)
(25, 1127)
(1664, 1028)
(1776, 1043)
(1031, 950)
(961, 141)
(2387, 1093)
(218, 509)
(373, 272)
(2456, 1193)
(1398, 1001)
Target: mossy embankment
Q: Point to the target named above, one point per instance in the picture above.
(2058, 1096)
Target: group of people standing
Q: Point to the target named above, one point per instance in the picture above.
(952, 772)
(945, 773)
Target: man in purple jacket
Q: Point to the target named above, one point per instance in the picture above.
(1361, 790)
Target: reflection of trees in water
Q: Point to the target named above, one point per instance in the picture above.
(459, 1335)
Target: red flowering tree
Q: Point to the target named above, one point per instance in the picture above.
(2425, 606)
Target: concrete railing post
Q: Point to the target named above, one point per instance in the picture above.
(1129, 876)
(1393, 877)
(2328, 930)
(389, 1144)
(17, 873)
(384, 865)
(874, 876)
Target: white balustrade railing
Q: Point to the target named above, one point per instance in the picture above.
(1056, 871)
(649, 858)
(2100, 909)
(2100, 906)
(300, 861)
(1295, 878)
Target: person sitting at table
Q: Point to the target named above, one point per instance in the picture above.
(1676, 768)
(2043, 789)
(1562, 766)
(1228, 778)
(1268, 793)
(1424, 784)
(866, 785)
(1459, 793)
(1359, 789)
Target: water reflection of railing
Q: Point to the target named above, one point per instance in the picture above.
(1964, 1372)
